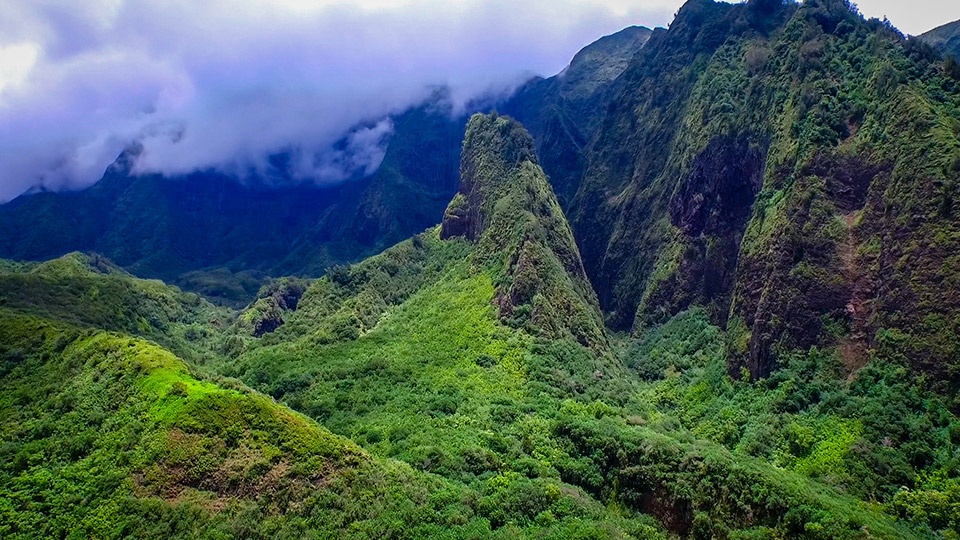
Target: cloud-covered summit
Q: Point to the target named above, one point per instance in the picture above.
(223, 84)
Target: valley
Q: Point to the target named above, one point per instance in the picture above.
(701, 284)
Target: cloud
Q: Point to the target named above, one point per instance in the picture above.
(225, 84)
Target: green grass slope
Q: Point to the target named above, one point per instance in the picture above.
(90, 291)
(408, 355)
(108, 436)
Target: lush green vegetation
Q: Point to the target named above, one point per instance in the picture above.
(439, 384)
(223, 236)
(881, 435)
(107, 436)
(769, 198)
(507, 207)
(791, 169)
(90, 291)
(431, 374)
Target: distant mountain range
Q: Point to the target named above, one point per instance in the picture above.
(221, 236)
(945, 38)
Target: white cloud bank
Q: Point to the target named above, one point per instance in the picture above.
(222, 83)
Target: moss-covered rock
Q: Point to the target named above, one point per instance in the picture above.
(506, 206)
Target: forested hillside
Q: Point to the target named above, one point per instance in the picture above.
(711, 293)
(223, 235)
(790, 169)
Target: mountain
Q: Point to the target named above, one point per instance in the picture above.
(223, 236)
(220, 236)
(709, 290)
(107, 435)
(565, 110)
(507, 207)
(774, 163)
(420, 354)
(88, 291)
(945, 38)
(470, 414)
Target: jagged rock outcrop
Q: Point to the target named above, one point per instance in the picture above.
(506, 206)
(266, 313)
(790, 168)
(718, 192)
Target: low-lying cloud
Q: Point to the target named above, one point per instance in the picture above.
(225, 84)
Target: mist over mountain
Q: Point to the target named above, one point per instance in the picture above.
(224, 87)
(222, 234)
(704, 282)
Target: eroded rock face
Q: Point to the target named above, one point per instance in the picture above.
(847, 177)
(267, 323)
(710, 205)
(265, 314)
(457, 220)
(507, 207)
(718, 193)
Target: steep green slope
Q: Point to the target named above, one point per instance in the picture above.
(408, 354)
(220, 236)
(789, 168)
(621, 215)
(107, 436)
(507, 207)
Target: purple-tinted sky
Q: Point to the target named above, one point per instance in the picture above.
(222, 82)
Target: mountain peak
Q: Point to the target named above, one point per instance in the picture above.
(602, 61)
(506, 205)
(945, 38)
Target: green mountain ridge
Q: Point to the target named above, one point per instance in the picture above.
(506, 205)
(945, 38)
(564, 111)
(470, 427)
(709, 294)
(222, 237)
(110, 436)
(759, 160)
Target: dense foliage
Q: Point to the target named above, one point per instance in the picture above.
(505, 204)
(791, 169)
(767, 205)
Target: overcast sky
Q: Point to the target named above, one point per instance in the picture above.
(220, 82)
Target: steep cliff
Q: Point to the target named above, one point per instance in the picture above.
(506, 205)
(789, 167)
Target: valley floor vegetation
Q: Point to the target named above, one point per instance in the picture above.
(394, 403)
(749, 327)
